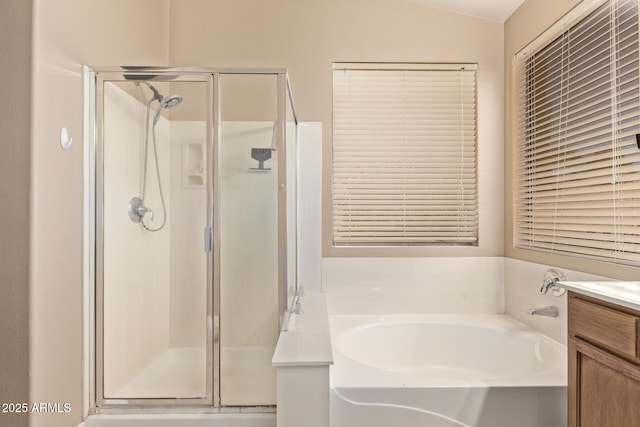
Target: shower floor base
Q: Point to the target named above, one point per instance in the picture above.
(177, 372)
(247, 377)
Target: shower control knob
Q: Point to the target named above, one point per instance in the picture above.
(137, 210)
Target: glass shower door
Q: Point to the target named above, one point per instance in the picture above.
(153, 188)
(248, 233)
(193, 235)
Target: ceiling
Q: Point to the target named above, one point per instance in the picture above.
(494, 10)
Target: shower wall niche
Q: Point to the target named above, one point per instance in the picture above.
(193, 164)
(195, 245)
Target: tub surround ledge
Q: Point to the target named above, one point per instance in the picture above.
(308, 340)
(626, 294)
(303, 356)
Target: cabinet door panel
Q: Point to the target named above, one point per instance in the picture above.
(607, 388)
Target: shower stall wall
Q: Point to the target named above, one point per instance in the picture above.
(191, 236)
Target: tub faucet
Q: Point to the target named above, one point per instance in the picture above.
(297, 307)
(549, 311)
(548, 283)
(551, 279)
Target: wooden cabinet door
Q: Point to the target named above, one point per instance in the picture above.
(604, 390)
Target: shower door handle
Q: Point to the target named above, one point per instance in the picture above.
(208, 239)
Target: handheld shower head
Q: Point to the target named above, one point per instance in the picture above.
(166, 103)
(170, 101)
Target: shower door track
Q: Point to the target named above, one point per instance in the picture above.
(147, 409)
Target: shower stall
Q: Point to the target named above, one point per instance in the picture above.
(190, 243)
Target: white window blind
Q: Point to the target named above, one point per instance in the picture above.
(404, 154)
(578, 162)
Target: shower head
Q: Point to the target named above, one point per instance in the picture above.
(166, 103)
(170, 101)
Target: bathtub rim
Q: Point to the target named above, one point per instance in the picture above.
(350, 373)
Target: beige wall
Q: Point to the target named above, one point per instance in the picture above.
(15, 170)
(307, 36)
(530, 20)
(67, 34)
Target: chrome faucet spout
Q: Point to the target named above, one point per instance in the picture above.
(549, 311)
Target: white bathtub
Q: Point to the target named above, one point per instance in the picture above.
(444, 370)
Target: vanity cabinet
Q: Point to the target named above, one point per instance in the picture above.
(604, 363)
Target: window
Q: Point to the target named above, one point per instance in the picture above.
(578, 161)
(404, 154)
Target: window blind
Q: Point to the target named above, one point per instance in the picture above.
(578, 162)
(404, 154)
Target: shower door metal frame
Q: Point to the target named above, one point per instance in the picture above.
(282, 90)
(93, 273)
(100, 403)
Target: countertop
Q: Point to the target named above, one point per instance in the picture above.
(626, 294)
(308, 340)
